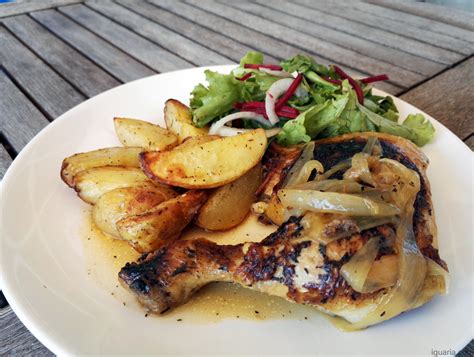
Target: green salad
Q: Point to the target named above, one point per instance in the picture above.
(297, 101)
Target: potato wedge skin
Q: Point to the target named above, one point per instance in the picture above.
(197, 140)
(208, 165)
(134, 132)
(115, 156)
(117, 204)
(92, 183)
(179, 121)
(148, 231)
(228, 205)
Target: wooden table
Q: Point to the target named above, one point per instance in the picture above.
(54, 54)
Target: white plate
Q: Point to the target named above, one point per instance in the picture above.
(44, 267)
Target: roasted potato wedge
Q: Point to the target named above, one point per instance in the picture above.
(148, 231)
(179, 120)
(206, 165)
(116, 156)
(92, 183)
(228, 205)
(114, 205)
(197, 140)
(134, 132)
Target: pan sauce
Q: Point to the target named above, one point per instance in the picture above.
(105, 256)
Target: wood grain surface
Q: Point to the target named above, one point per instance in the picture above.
(448, 98)
(457, 18)
(80, 71)
(20, 120)
(383, 37)
(46, 88)
(54, 54)
(119, 64)
(176, 43)
(25, 6)
(5, 160)
(135, 45)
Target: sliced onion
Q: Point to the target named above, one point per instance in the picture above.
(360, 169)
(408, 292)
(332, 185)
(304, 174)
(436, 282)
(331, 202)
(306, 155)
(442, 276)
(231, 117)
(373, 147)
(275, 91)
(383, 274)
(356, 270)
(343, 165)
(272, 72)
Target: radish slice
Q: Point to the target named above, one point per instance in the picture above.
(333, 81)
(244, 77)
(275, 91)
(272, 72)
(289, 93)
(259, 108)
(380, 77)
(353, 83)
(231, 117)
(228, 131)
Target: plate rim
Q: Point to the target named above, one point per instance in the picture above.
(20, 312)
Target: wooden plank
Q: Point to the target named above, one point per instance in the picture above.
(20, 120)
(285, 34)
(470, 142)
(40, 82)
(326, 16)
(15, 339)
(447, 98)
(182, 46)
(249, 37)
(208, 38)
(436, 12)
(5, 161)
(400, 76)
(114, 61)
(366, 47)
(16, 8)
(354, 10)
(77, 69)
(136, 46)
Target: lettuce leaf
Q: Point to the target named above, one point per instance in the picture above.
(294, 132)
(421, 127)
(326, 109)
(218, 98)
(415, 127)
(252, 57)
(224, 90)
(303, 64)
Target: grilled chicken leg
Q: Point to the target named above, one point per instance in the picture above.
(287, 263)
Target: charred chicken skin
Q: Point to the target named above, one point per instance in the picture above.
(287, 263)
